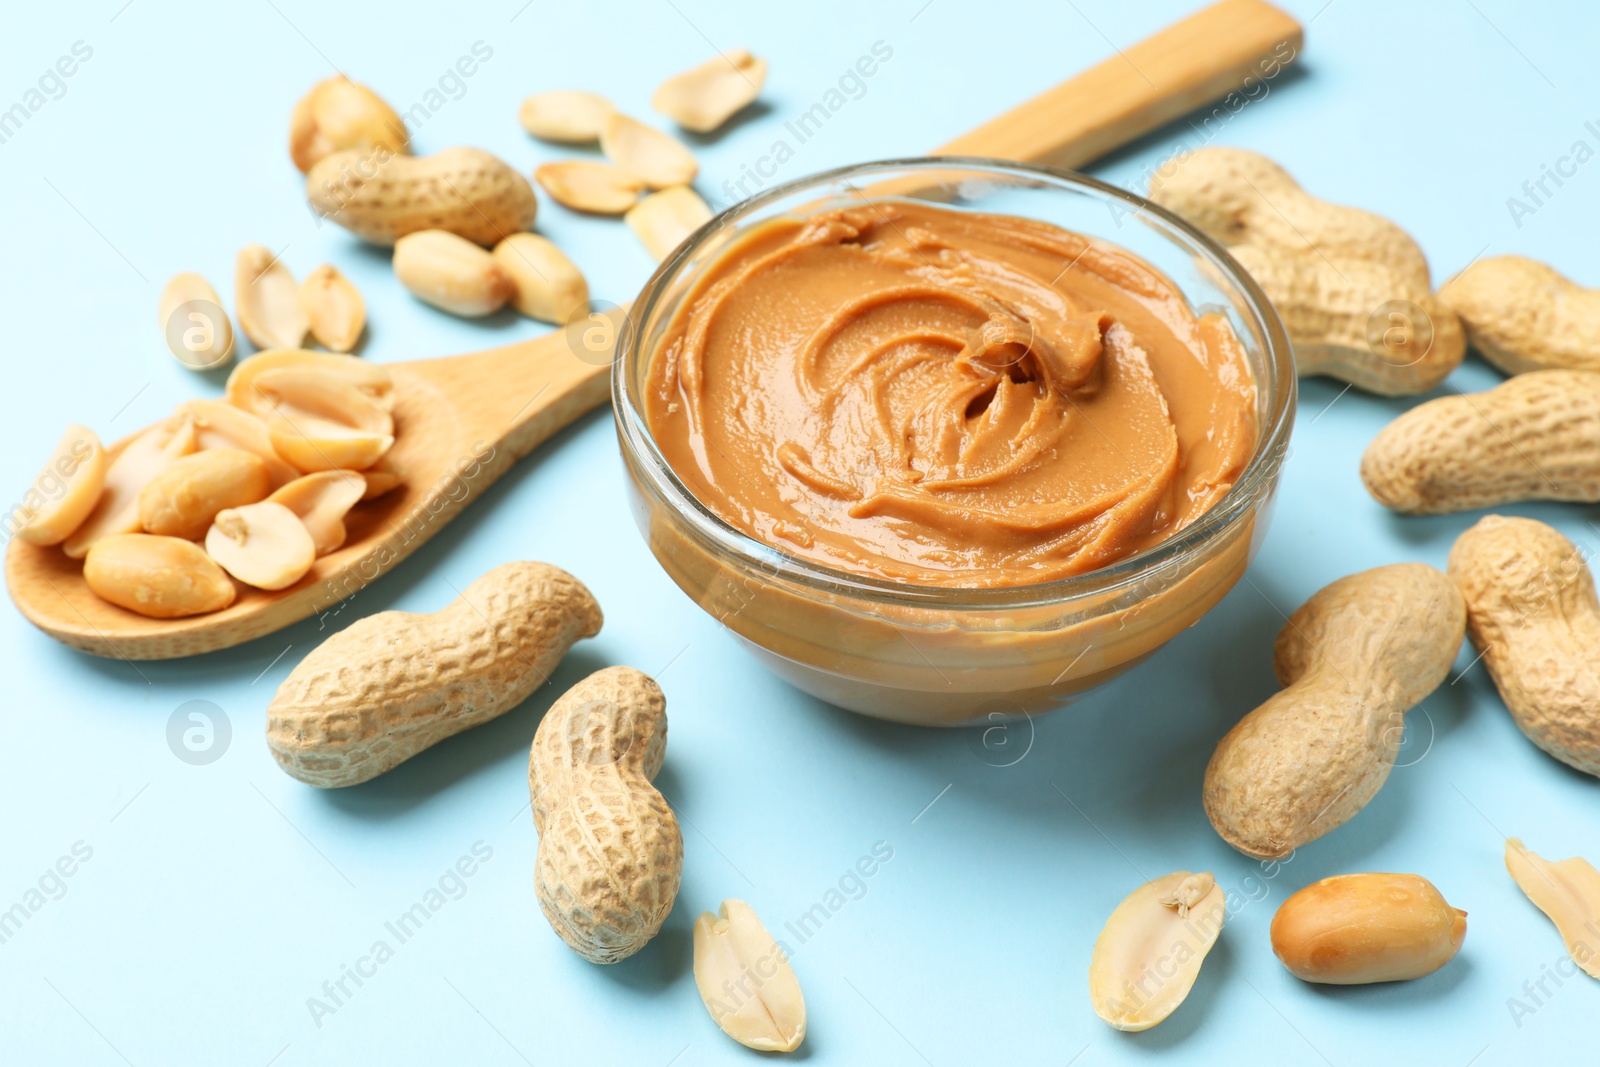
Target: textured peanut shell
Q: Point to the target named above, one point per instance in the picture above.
(1353, 660)
(381, 198)
(1532, 612)
(610, 851)
(385, 688)
(1330, 270)
(1523, 315)
(1534, 437)
(1354, 929)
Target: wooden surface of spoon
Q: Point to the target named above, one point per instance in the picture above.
(462, 421)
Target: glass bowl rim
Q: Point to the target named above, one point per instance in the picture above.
(639, 444)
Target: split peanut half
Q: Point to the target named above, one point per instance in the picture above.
(339, 114)
(264, 545)
(589, 185)
(369, 378)
(548, 286)
(267, 300)
(334, 308)
(196, 328)
(159, 577)
(130, 467)
(655, 158)
(1146, 959)
(183, 500)
(66, 490)
(319, 422)
(219, 424)
(745, 980)
(1568, 891)
(662, 221)
(321, 501)
(705, 97)
(565, 115)
(451, 273)
(380, 478)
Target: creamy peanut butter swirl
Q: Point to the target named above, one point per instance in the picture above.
(947, 398)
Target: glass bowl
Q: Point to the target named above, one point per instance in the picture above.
(936, 655)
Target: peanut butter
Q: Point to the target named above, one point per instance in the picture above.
(947, 398)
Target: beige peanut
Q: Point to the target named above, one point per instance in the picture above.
(65, 491)
(161, 577)
(334, 308)
(1533, 613)
(1353, 660)
(1353, 929)
(745, 980)
(381, 197)
(262, 544)
(662, 221)
(1148, 956)
(657, 159)
(202, 337)
(318, 421)
(321, 501)
(1533, 437)
(244, 392)
(1353, 288)
(589, 185)
(1523, 315)
(610, 851)
(267, 300)
(130, 466)
(339, 114)
(183, 500)
(704, 97)
(219, 424)
(565, 115)
(546, 285)
(393, 684)
(451, 273)
(1568, 891)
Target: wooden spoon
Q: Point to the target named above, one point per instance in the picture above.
(462, 421)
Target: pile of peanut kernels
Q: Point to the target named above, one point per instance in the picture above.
(256, 486)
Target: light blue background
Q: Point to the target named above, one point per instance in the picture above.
(219, 898)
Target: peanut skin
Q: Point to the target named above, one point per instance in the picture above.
(1530, 438)
(1353, 659)
(385, 688)
(610, 851)
(1533, 613)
